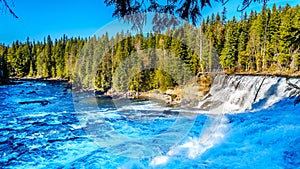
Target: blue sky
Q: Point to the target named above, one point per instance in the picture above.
(39, 18)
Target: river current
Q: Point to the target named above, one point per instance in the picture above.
(46, 125)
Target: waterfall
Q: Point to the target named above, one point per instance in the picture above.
(229, 94)
(236, 94)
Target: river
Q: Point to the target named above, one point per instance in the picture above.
(46, 125)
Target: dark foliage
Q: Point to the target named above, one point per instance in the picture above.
(185, 9)
(7, 6)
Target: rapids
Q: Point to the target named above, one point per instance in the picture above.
(243, 122)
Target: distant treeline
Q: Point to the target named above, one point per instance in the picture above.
(265, 42)
(43, 59)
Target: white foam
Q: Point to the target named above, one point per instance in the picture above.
(213, 133)
(160, 160)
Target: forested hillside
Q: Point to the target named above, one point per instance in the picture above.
(265, 42)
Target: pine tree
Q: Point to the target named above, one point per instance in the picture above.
(285, 56)
(46, 58)
(294, 37)
(223, 21)
(4, 74)
(243, 56)
(273, 37)
(11, 59)
(219, 33)
(268, 41)
(229, 54)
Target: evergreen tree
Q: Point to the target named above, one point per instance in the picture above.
(229, 53)
(273, 37)
(4, 74)
(243, 56)
(224, 15)
(267, 41)
(285, 56)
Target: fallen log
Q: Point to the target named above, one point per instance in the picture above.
(42, 102)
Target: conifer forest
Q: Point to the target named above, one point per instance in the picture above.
(257, 42)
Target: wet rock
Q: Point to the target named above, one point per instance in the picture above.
(68, 86)
(297, 100)
(32, 92)
(99, 93)
(170, 112)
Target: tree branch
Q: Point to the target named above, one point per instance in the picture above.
(9, 8)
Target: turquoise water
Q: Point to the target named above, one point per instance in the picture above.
(77, 130)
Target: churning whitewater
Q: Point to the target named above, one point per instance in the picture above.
(229, 95)
(243, 122)
(236, 94)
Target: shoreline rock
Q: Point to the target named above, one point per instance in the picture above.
(186, 96)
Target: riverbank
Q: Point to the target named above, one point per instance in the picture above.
(53, 80)
(17, 80)
(187, 95)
